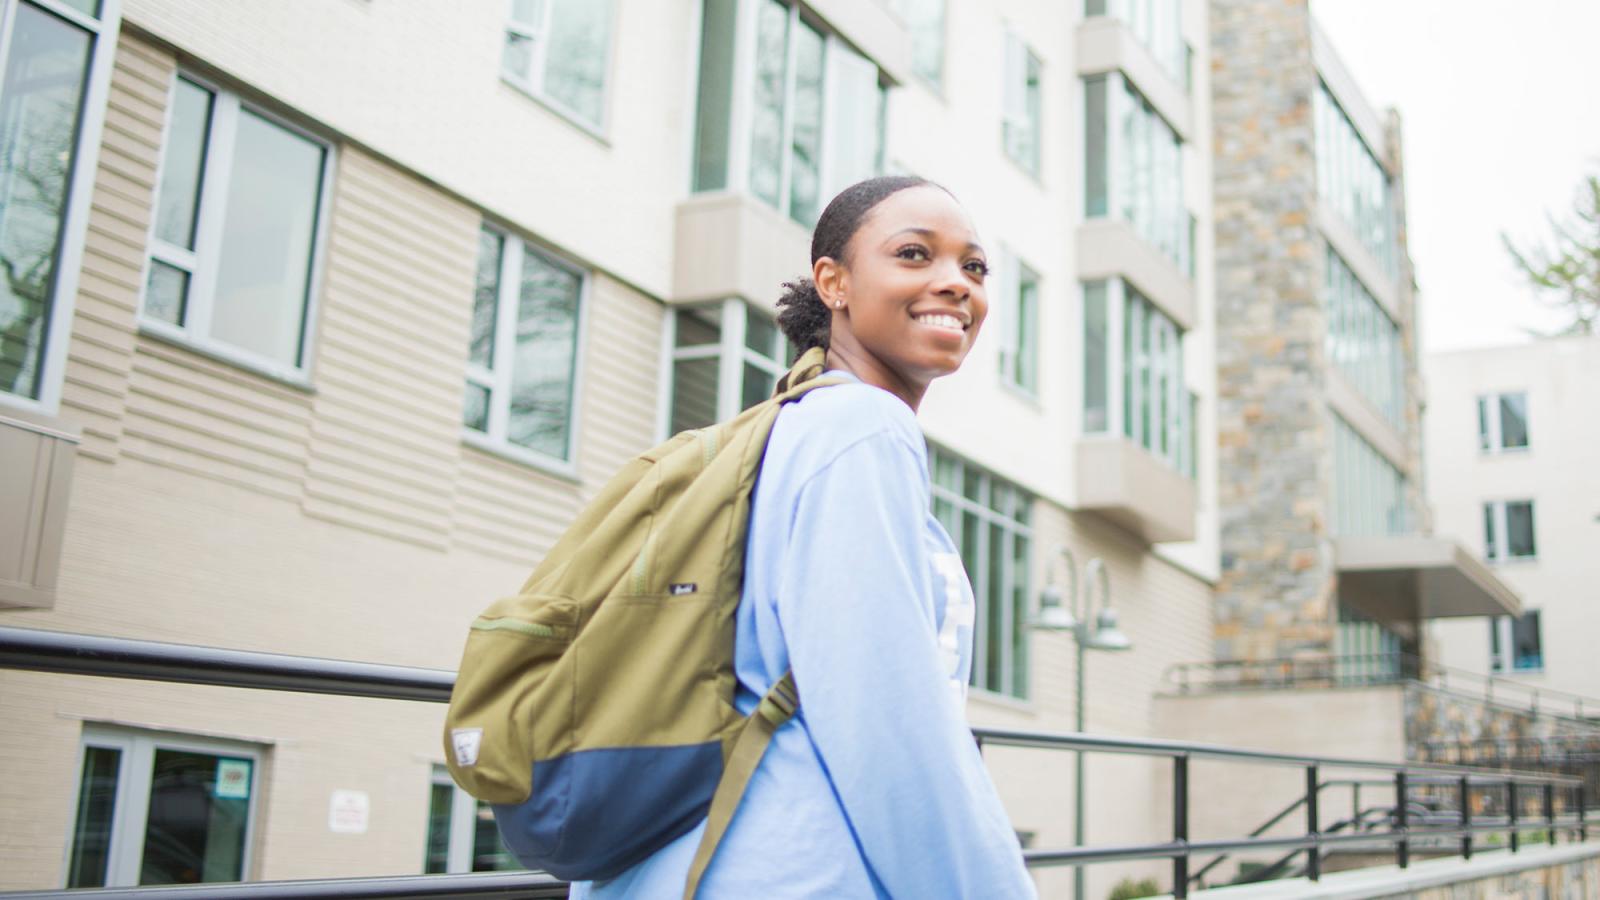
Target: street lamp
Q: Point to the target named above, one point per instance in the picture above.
(1058, 612)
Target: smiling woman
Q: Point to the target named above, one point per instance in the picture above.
(874, 788)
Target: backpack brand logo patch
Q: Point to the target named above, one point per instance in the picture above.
(466, 741)
(679, 590)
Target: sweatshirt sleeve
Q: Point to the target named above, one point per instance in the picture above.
(857, 610)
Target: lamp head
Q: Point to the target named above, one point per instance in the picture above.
(1106, 635)
(1053, 612)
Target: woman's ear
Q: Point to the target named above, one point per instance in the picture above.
(831, 280)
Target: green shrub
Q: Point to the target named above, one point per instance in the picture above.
(1128, 889)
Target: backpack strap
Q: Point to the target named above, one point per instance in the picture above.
(777, 707)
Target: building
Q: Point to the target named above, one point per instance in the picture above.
(325, 317)
(1510, 451)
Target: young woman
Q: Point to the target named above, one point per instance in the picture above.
(876, 788)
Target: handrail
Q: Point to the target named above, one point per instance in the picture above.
(96, 655)
(1365, 669)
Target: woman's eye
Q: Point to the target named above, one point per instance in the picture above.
(978, 267)
(912, 251)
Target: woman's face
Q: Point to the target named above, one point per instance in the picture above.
(913, 292)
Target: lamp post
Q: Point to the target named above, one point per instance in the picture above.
(1056, 615)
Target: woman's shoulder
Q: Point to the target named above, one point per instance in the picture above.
(816, 430)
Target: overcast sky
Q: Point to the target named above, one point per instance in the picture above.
(1500, 102)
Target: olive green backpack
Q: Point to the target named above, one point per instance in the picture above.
(594, 710)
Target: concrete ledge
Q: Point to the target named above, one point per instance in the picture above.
(1342, 238)
(875, 30)
(732, 245)
(1126, 484)
(1110, 248)
(1105, 44)
(1392, 881)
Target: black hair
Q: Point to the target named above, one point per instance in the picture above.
(802, 314)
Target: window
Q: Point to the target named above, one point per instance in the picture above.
(1508, 530)
(53, 62)
(810, 117)
(1503, 422)
(725, 358)
(462, 836)
(162, 809)
(1157, 24)
(988, 519)
(1363, 341)
(238, 213)
(925, 20)
(1517, 638)
(1133, 373)
(1365, 650)
(1369, 492)
(1133, 167)
(522, 357)
(559, 50)
(1023, 107)
(1352, 181)
(1019, 357)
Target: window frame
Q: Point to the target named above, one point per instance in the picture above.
(731, 352)
(1122, 202)
(1363, 342)
(61, 298)
(493, 439)
(1345, 164)
(137, 748)
(461, 835)
(1363, 481)
(936, 82)
(1019, 631)
(741, 106)
(1125, 390)
(1503, 645)
(1497, 531)
(533, 86)
(210, 218)
(1491, 435)
(1017, 51)
(1020, 347)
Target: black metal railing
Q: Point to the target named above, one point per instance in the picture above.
(1375, 669)
(77, 654)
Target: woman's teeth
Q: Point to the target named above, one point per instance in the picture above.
(940, 321)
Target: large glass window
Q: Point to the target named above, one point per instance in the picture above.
(559, 50)
(1351, 180)
(1503, 422)
(813, 119)
(161, 809)
(1133, 167)
(1516, 641)
(462, 836)
(925, 20)
(726, 357)
(50, 49)
(1019, 357)
(235, 242)
(522, 360)
(1508, 530)
(989, 520)
(1363, 341)
(1369, 492)
(1158, 25)
(1133, 373)
(1022, 126)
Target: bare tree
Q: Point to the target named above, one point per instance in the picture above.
(1566, 273)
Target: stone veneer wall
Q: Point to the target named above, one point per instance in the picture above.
(1274, 455)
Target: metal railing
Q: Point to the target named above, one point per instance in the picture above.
(59, 652)
(1374, 669)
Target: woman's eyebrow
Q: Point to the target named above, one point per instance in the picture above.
(930, 233)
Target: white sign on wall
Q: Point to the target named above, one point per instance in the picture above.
(348, 812)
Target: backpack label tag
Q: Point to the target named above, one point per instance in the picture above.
(679, 590)
(466, 741)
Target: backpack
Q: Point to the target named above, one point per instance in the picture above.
(594, 710)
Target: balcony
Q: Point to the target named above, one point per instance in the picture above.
(1106, 44)
(1412, 578)
(1127, 485)
(34, 485)
(730, 244)
(1110, 248)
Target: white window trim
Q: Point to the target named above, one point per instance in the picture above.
(1015, 56)
(533, 86)
(1118, 86)
(131, 807)
(1506, 663)
(210, 217)
(1496, 439)
(729, 351)
(494, 441)
(1498, 553)
(1177, 456)
(1010, 283)
(741, 136)
(80, 191)
(463, 822)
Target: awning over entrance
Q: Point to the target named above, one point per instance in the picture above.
(1414, 577)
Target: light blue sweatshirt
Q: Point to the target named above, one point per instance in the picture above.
(876, 788)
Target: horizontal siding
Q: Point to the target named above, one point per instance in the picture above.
(622, 371)
(100, 355)
(385, 442)
(507, 510)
